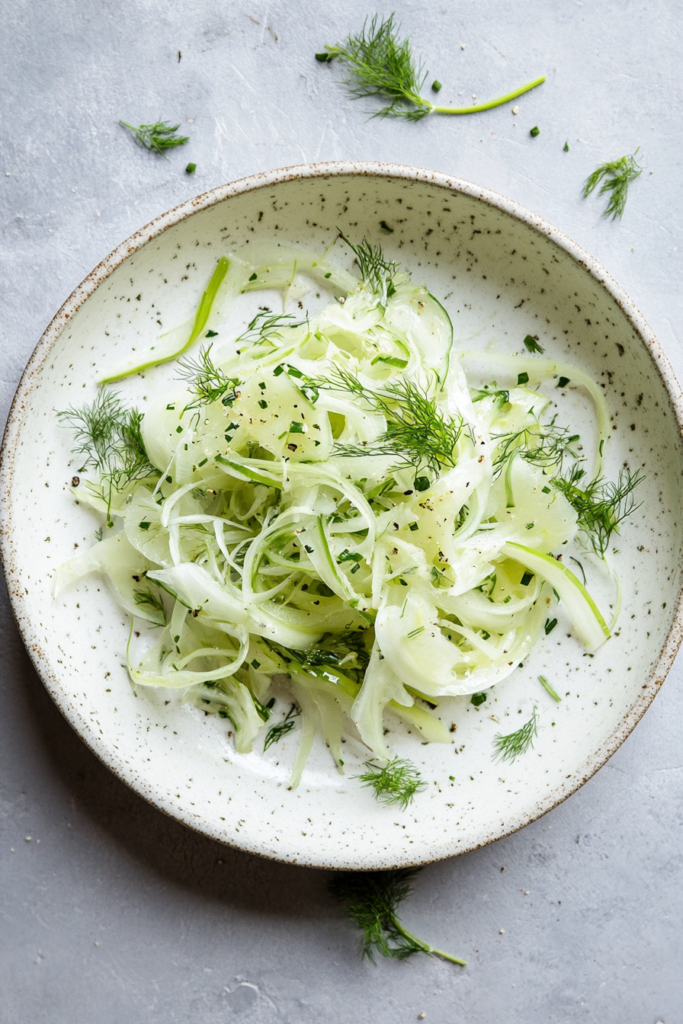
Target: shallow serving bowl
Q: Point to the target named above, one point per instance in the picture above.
(502, 273)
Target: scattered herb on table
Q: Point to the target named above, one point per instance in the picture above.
(396, 783)
(508, 748)
(157, 137)
(382, 64)
(616, 176)
(371, 900)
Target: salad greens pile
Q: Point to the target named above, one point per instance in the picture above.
(329, 510)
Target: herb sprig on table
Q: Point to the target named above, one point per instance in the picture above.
(616, 176)
(381, 63)
(371, 900)
(157, 137)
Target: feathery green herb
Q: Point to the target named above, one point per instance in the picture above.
(267, 325)
(371, 900)
(417, 433)
(206, 382)
(276, 732)
(148, 599)
(616, 176)
(375, 270)
(157, 137)
(396, 783)
(380, 63)
(601, 505)
(508, 748)
(546, 447)
(108, 438)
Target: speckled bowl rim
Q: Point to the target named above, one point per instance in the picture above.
(184, 210)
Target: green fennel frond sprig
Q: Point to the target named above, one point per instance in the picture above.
(376, 271)
(380, 63)
(616, 176)
(157, 137)
(418, 434)
(601, 505)
(206, 381)
(266, 325)
(396, 783)
(371, 900)
(510, 747)
(276, 732)
(108, 438)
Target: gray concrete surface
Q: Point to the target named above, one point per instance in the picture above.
(112, 913)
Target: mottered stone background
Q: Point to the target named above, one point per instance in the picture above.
(112, 913)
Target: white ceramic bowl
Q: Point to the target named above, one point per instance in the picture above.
(503, 273)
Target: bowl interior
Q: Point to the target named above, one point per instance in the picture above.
(501, 276)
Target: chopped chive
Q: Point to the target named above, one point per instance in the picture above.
(278, 370)
(296, 427)
(211, 334)
(545, 490)
(530, 526)
(535, 131)
(355, 568)
(253, 276)
(385, 228)
(436, 86)
(202, 463)
(565, 148)
(178, 430)
(522, 378)
(414, 526)
(562, 382)
(527, 578)
(544, 682)
(324, 58)
(421, 483)
(191, 168)
(144, 525)
(293, 372)
(262, 403)
(416, 632)
(478, 698)
(349, 556)
(255, 663)
(549, 625)
(328, 274)
(532, 344)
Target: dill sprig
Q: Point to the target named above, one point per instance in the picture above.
(417, 433)
(616, 176)
(546, 446)
(508, 748)
(157, 137)
(148, 599)
(276, 732)
(396, 783)
(371, 900)
(108, 437)
(268, 325)
(206, 382)
(380, 63)
(376, 271)
(601, 505)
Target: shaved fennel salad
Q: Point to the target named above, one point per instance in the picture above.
(329, 509)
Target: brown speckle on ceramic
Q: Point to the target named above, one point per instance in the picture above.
(502, 273)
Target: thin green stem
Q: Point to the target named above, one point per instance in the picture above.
(492, 103)
(432, 950)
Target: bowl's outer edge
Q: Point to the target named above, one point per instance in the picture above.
(217, 195)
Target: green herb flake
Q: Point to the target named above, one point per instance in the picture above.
(544, 682)
(510, 747)
(532, 344)
(565, 148)
(191, 168)
(535, 131)
(522, 378)
(478, 699)
(397, 783)
(157, 137)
